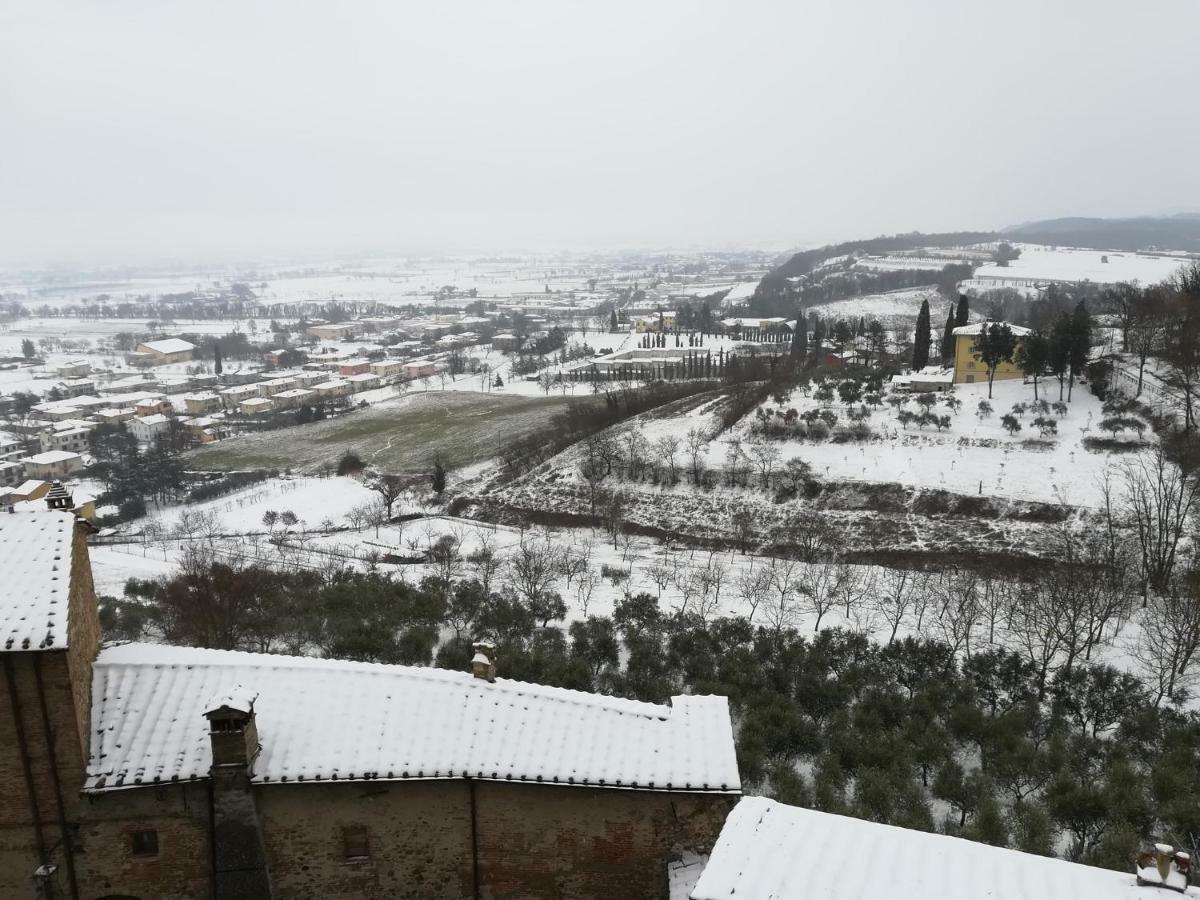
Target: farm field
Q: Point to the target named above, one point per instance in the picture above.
(402, 435)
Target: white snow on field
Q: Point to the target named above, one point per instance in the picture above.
(973, 456)
(313, 500)
(113, 566)
(902, 304)
(1068, 265)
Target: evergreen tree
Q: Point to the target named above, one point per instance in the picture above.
(963, 314)
(799, 342)
(27, 348)
(217, 367)
(948, 340)
(1059, 356)
(920, 357)
(818, 335)
(995, 345)
(862, 327)
(1081, 342)
(612, 321)
(1033, 356)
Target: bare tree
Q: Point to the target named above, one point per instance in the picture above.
(585, 585)
(697, 442)
(764, 454)
(825, 585)
(667, 448)
(533, 568)
(895, 593)
(785, 581)
(753, 586)
(1158, 499)
(660, 574)
(485, 562)
(1169, 638)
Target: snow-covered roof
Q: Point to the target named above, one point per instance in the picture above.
(324, 720)
(35, 557)
(156, 419)
(50, 457)
(769, 851)
(168, 345)
(977, 327)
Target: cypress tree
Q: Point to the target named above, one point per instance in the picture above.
(818, 335)
(964, 311)
(612, 321)
(799, 342)
(920, 357)
(217, 367)
(948, 340)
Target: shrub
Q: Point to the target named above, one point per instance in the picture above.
(1019, 409)
(1046, 426)
(983, 410)
(1060, 408)
(231, 482)
(1010, 423)
(350, 463)
(818, 430)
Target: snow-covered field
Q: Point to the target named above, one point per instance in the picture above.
(1067, 264)
(973, 456)
(893, 308)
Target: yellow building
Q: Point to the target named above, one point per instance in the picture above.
(969, 367)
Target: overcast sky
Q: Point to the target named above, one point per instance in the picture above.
(135, 130)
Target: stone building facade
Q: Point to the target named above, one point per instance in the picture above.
(76, 824)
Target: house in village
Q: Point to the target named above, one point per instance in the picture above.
(200, 404)
(969, 367)
(147, 429)
(162, 352)
(273, 776)
(52, 464)
(75, 368)
(337, 331)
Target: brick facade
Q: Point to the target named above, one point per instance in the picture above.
(426, 839)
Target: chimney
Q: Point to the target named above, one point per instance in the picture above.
(238, 850)
(1163, 866)
(58, 498)
(232, 729)
(483, 663)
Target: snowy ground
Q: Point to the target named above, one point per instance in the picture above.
(893, 308)
(1068, 264)
(973, 456)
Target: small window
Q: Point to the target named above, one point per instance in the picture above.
(144, 843)
(354, 843)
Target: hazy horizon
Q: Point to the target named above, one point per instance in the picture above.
(137, 131)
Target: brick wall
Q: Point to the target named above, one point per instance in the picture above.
(534, 841)
(107, 864)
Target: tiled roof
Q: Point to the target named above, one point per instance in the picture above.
(769, 851)
(324, 720)
(35, 559)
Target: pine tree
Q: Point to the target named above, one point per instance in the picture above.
(948, 340)
(818, 335)
(920, 357)
(612, 321)
(964, 312)
(217, 367)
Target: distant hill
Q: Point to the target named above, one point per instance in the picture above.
(806, 260)
(1180, 232)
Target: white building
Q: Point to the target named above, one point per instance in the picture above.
(147, 428)
(54, 464)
